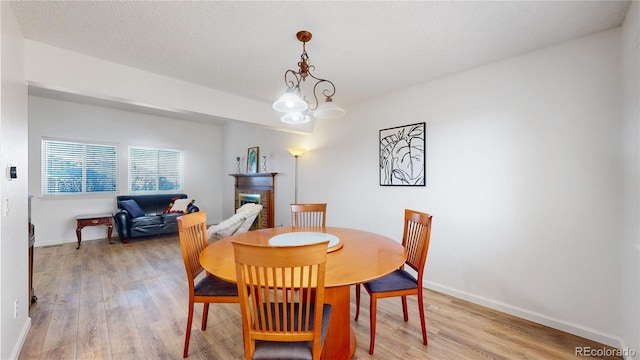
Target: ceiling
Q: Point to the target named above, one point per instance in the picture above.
(366, 48)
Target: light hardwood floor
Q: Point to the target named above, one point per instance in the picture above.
(130, 302)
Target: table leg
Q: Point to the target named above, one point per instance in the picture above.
(341, 339)
(79, 236)
(109, 232)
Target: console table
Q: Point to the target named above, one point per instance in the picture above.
(93, 220)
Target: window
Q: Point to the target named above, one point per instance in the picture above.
(152, 169)
(71, 168)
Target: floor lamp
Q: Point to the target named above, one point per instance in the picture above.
(296, 152)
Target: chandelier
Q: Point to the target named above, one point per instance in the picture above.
(294, 104)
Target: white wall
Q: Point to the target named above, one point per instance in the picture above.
(524, 181)
(14, 239)
(202, 146)
(630, 297)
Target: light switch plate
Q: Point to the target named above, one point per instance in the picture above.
(12, 172)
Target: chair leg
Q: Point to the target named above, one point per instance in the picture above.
(421, 312)
(372, 322)
(205, 316)
(187, 336)
(405, 312)
(357, 301)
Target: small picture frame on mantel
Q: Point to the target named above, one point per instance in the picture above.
(253, 154)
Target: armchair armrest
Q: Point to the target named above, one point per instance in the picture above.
(123, 223)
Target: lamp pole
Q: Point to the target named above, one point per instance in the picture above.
(295, 199)
(296, 152)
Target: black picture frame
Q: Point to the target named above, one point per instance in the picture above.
(403, 155)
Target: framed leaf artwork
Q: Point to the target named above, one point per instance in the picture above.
(402, 155)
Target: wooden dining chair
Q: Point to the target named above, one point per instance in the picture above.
(282, 300)
(192, 230)
(417, 233)
(313, 215)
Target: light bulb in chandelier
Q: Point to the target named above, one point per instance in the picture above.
(288, 102)
(328, 110)
(295, 117)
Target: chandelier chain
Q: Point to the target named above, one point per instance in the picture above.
(322, 86)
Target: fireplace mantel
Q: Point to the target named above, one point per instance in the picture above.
(262, 184)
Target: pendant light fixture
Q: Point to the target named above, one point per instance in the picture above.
(296, 105)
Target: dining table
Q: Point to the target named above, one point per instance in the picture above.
(353, 256)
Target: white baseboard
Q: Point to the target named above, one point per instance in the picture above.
(575, 329)
(21, 339)
(39, 243)
(42, 243)
(627, 353)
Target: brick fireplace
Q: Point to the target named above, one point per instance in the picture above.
(257, 188)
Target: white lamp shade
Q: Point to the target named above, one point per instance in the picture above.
(290, 102)
(296, 151)
(328, 110)
(295, 117)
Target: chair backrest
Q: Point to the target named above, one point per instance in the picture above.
(308, 215)
(192, 231)
(417, 233)
(281, 292)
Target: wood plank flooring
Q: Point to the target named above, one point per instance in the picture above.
(130, 302)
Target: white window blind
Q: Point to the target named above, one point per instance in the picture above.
(71, 168)
(152, 169)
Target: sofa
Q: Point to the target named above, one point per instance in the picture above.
(150, 215)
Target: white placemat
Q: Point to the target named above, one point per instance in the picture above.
(303, 238)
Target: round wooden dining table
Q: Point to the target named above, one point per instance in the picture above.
(361, 256)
